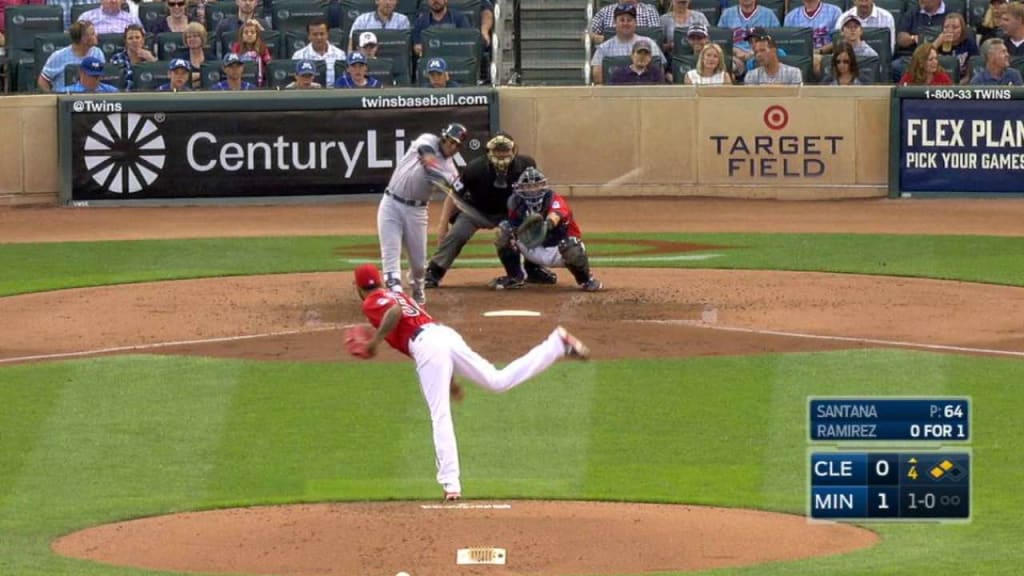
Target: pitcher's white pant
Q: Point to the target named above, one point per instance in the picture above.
(401, 225)
(439, 351)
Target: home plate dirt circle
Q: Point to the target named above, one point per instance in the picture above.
(541, 538)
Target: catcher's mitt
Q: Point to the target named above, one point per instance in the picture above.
(357, 339)
(532, 232)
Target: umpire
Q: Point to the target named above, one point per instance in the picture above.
(487, 185)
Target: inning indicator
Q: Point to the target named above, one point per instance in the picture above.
(892, 419)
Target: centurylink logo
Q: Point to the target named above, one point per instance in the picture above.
(124, 153)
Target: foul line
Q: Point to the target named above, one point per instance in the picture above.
(893, 343)
(155, 345)
(464, 506)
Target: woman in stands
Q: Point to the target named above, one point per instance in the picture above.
(924, 69)
(134, 53)
(957, 40)
(710, 68)
(250, 47)
(196, 51)
(679, 16)
(989, 27)
(176, 21)
(845, 71)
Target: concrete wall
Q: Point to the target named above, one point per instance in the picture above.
(773, 142)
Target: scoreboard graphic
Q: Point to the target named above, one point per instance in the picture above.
(911, 476)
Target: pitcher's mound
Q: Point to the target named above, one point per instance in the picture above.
(542, 538)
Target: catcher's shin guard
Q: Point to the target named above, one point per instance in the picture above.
(509, 257)
(574, 256)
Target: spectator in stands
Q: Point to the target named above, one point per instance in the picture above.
(383, 18)
(305, 72)
(853, 36)
(108, 18)
(871, 16)
(989, 26)
(997, 71)
(320, 48)
(930, 14)
(711, 68)
(924, 69)
(640, 70)
(821, 18)
(770, 70)
(646, 16)
(246, 12)
(195, 52)
(90, 71)
(233, 68)
(368, 45)
(955, 41)
(83, 44)
(177, 19)
(357, 74)
(134, 53)
(4, 5)
(437, 74)
(680, 16)
(437, 15)
(1012, 24)
(622, 43)
(179, 76)
(845, 70)
(67, 5)
(250, 47)
(741, 19)
(697, 37)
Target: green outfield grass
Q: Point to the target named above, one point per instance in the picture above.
(92, 441)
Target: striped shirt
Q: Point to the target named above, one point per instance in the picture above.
(372, 21)
(409, 180)
(646, 17)
(879, 18)
(66, 5)
(101, 87)
(733, 19)
(786, 75)
(53, 70)
(332, 55)
(821, 21)
(109, 23)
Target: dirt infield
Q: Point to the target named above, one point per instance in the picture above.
(644, 313)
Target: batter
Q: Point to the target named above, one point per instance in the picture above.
(440, 353)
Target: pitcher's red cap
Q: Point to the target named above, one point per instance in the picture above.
(368, 277)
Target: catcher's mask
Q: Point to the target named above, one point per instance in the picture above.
(532, 187)
(455, 132)
(501, 150)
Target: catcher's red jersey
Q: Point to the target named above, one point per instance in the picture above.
(379, 301)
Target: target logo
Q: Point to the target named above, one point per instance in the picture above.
(124, 153)
(776, 117)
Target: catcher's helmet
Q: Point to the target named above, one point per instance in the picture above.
(455, 132)
(531, 183)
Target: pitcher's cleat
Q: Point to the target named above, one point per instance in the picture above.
(452, 496)
(573, 347)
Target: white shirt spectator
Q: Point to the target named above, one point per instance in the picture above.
(109, 23)
(879, 18)
(615, 47)
(332, 55)
(372, 21)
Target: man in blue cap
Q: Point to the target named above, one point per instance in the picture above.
(89, 73)
(437, 74)
(233, 69)
(305, 72)
(357, 74)
(179, 76)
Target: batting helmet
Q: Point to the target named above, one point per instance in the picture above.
(455, 132)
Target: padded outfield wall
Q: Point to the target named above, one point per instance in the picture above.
(775, 142)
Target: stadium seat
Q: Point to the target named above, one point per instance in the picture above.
(610, 64)
(23, 23)
(350, 10)
(409, 8)
(113, 74)
(656, 33)
(712, 9)
(78, 9)
(280, 73)
(975, 64)
(951, 64)
(149, 76)
(451, 42)
(215, 11)
(1018, 63)
(680, 65)
(804, 63)
(23, 65)
(210, 73)
(895, 7)
(168, 43)
(382, 69)
(470, 8)
(463, 70)
(795, 41)
(47, 43)
(293, 15)
(151, 12)
(976, 10)
(396, 45)
(111, 43)
(868, 66)
(292, 42)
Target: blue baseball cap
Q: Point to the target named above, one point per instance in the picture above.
(179, 63)
(437, 65)
(231, 58)
(356, 58)
(92, 66)
(305, 68)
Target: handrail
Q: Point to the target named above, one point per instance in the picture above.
(497, 55)
(517, 43)
(587, 43)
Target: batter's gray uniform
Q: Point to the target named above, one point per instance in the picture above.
(402, 214)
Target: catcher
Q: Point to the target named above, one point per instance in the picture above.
(487, 185)
(440, 353)
(541, 227)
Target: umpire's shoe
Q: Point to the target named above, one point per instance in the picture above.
(538, 275)
(507, 283)
(432, 279)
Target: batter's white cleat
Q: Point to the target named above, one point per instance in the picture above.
(573, 347)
